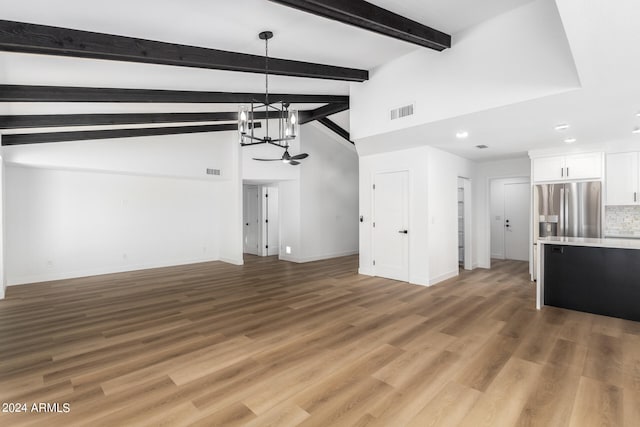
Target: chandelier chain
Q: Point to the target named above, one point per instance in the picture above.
(266, 79)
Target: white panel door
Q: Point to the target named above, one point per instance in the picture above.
(251, 220)
(390, 225)
(516, 221)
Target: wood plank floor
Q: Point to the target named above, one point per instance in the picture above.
(280, 344)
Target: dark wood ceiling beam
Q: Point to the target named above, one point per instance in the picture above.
(370, 17)
(39, 138)
(324, 111)
(47, 40)
(62, 120)
(335, 128)
(22, 93)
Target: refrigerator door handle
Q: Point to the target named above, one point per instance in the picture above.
(562, 212)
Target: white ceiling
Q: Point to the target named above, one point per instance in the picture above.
(601, 35)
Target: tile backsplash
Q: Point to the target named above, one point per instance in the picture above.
(622, 221)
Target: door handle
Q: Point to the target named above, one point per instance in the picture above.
(403, 231)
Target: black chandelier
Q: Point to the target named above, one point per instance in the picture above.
(287, 118)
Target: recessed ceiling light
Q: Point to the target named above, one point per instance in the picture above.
(638, 114)
(570, 140)
(462, 134)
(636, 130)
(561, 127)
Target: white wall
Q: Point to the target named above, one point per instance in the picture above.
(71, 223)
(433, 209)
(328, 196)
(178, 156)
(444, 170)
(3, 281)
(508, 59)
(289, 208)
(485, 172)
(230, 209)
(91, 207)
(317, 200)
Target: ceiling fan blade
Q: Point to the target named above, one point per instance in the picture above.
(294, 163)
(299, 156)
(268, 160)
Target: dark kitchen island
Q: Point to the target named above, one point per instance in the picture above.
(600, 276)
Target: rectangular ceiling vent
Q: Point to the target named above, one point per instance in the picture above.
(400, 112)
(482, 146)
(213, 171)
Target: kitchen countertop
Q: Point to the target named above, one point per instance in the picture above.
(590, 241)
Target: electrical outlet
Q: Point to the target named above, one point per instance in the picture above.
(287, 250)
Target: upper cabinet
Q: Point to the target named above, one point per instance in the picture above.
(622, 182)
(567, 168)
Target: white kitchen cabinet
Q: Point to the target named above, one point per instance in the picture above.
(567, 168)
(622, 179)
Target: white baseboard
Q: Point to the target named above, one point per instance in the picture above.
(37, 278)
(234, 261)
(365, 271)
(443, 277)
(285, 257)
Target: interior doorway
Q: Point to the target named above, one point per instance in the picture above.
(464, 224)
(510, 212)
(516, 218)
(391, 225)
(261, 219)
(251, 208)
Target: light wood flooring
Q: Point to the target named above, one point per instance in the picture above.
(273, 343)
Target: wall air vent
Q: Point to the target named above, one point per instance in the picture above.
(213, 171)
(400, 112)
(482, 146)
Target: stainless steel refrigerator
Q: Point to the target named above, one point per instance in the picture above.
(572, 210)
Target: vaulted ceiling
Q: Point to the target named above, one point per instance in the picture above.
(601, 53)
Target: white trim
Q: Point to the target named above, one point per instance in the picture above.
(25, 280)
(365, 271)
(317, 257)
(443, 277)
(234, 261)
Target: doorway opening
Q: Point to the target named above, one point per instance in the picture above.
(261, 220)
(464, 224)
(510, 211)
